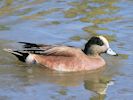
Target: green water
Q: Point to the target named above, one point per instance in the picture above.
(69, 22)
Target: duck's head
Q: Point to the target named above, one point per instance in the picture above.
(97, 45)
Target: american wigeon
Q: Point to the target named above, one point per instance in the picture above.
(65, 58)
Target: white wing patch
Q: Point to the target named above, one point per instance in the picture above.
(30, 59)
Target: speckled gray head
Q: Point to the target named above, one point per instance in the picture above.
(106, 43)
(97, 45)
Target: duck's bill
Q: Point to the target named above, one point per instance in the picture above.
(111, 52)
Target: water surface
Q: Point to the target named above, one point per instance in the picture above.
(69, 22)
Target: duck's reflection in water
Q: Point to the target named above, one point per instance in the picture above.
(99, 87)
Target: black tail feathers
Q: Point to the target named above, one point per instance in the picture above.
(20, 55)
(29, 45)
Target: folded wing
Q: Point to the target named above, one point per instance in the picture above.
(51, 50)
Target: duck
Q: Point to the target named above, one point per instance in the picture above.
(66, 58)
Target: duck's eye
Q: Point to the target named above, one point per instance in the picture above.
(100, 42)
(95, 41)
